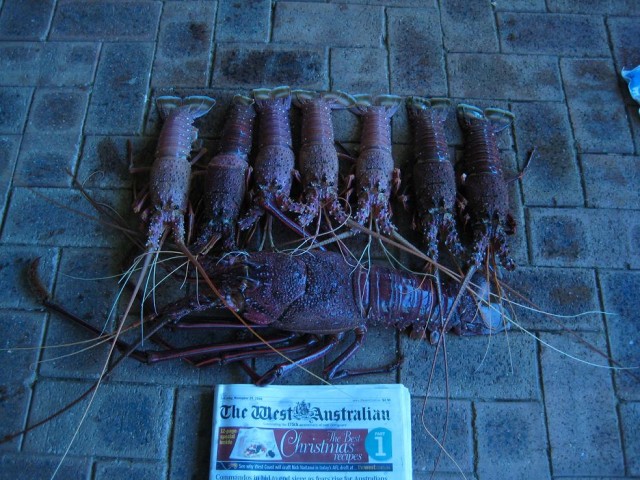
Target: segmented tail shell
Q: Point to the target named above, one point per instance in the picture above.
(196, 105)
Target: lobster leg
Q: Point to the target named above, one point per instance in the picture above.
(333, 372)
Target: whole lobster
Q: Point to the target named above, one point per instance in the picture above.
(483, 184)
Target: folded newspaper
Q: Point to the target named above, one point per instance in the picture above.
(335, 432)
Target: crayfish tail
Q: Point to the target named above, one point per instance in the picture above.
(196, 105)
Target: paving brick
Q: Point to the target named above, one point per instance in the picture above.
(580, 237)
(104, 161)
(243, 22)
(581, 443)
(42, 468)
(537, 33)
(497, 367)
(611, 181)
(442, 476)
(624, 338)
(314, 23)
(359, 70)
(106, 20)
(558, 292)
(59, 111)
(416, 56)
(591, 7)
(191, 442)
(21, 334)
(128, 421)
(9, 145)
(516, 434)
(521, 6)
(599, 121)
(14, 104)
(634, 241)
(501, 76)
(46, 161)
(469, 26)
(68, 64)
(121, 470)
(34, 219)
(624, 38)
(25, 19)
(20, 61)
(553, 178)
(259, 65)
(427, 455)
(630, 419)
(48, 64)
(118, 101)
(184, 44)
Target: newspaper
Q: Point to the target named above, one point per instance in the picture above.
(332, 432)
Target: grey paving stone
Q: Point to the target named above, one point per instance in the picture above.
(516, 434)
(591, 7)
(431, 417)
(127, 421)
(626, 45)
(59, 111)
(256, 65)
(442, 476)
(504, 76)
(537, 33)
(496, 367)
(416, 57)
(469, 26)
(34, 219)
(630, 418)
(623, 305)
(104, 161)
(68, 64)
(359, 70)
(42, 467)
(21, 334)
(314, 23)
(120, 91)
(581, 443)
(191, 442)
(122, 469)
(558, 292)
(553, 178)
(599, 121)
(20, 61)
(46, 160)
(106, 20)
(579, 237)
(634, 241)
(14, 104)
(611, 181)
(25, 19)
(243, 22)
(184, 44)
(14, 265)
(9, 145)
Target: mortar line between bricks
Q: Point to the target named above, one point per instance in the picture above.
(172, 432)
(612, 372)
(499, 37)
(387, 45)
(148, 103)
(474, 439)
(272, 21)
(544, 403)
(210, 58)
(54, 11)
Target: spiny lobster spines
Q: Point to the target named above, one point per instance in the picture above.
(318, 159)
(171, 170)
(226, 177)
(275, 162)
(375, 175)
(434, 181)
(483, 184)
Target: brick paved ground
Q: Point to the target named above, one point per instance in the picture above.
(78, 78)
